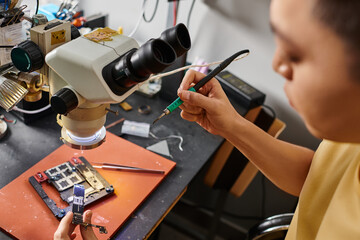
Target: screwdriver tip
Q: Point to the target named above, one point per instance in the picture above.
(159, 118)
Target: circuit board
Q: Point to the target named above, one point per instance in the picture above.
(63, 177)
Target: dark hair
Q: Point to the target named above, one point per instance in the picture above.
(343, 17)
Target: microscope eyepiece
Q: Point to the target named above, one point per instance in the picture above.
(138, 64)
(178, 37)
(154, 56)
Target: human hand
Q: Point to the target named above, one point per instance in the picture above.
(65, 231)
(87, 233)
(209, 106)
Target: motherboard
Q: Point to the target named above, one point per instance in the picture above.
(63, 178)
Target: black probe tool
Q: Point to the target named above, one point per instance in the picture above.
(175, 104)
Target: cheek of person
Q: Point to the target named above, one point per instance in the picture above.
(307, 95)
(324, 94)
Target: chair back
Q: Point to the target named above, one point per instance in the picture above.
(229, 168)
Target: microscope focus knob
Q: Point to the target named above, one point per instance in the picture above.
(63, 101)
(27, 56)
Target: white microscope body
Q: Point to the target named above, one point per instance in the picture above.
(87, 73)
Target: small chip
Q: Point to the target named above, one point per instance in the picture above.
(59, 176)
(64, 184)
(62, 167)
(101, 34)
(124, 105)
(74, 179)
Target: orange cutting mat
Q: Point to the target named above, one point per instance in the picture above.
(25, 216)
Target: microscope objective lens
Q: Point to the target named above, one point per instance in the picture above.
(83, 139)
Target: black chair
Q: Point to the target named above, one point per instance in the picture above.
(230, 171)
(272, 228)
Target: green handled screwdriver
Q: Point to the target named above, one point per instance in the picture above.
(175, 104)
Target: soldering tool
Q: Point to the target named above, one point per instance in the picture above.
(175, 104)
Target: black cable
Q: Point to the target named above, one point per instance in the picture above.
(198, 206)
(189, 14)
(263, 200)
(37, 7)
(271, 110)
(154, 13)
(4, 46)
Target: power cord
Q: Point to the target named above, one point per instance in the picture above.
(32, 111)
(37, 7)
(263, 194)
(211, 209)
(189, 14)
(192, 66)
(139, 19)
(175, 11)
(154, 13)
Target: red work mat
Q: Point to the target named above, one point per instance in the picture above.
(25, 216)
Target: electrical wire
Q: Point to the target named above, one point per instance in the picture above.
(32, 111)
(139, 19)
(7, 120)
(192, 66)
(17, 14)
(233, 215)
(37, 7)
(5, 68)
(154, 13)
(174, 12)
(211, 209)
(189, 14)
(170, 136)
(115, 123)
(263, 200)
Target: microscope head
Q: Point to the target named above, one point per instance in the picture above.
(87, 74)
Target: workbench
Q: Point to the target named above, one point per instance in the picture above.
(25, 145)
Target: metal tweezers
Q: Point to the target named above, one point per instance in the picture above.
(126, 168)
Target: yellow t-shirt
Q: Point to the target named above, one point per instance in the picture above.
(329, 203)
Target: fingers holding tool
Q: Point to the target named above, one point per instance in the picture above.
(65, 229)
(87, 232)
(191, 117)
(197, 99)
(202, 100)
(191, 78)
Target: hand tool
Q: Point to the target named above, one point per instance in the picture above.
(126, 168)
(175, 104)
